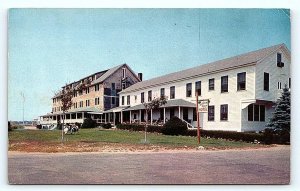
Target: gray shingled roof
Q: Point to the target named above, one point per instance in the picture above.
(170, 103)
(107, 74)
(236, 61)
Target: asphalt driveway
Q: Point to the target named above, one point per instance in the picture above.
(257, 166)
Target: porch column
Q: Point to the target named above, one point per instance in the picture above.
(130, 116)
(140, 116)
(179, 116)
(76, 115)
(121, 116)
(164, 115)
(108, 115)
(114, 118)
(104, 117)
(151, 117)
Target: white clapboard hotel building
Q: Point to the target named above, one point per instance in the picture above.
(241, 91)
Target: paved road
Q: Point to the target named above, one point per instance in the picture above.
(266, 166)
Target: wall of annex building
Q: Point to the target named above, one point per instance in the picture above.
(233, 97)
(276, 74)
(117, 79)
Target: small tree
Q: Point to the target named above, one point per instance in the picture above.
(154, 104)
(281, 119)
(66, 101)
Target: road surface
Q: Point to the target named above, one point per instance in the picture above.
(257, 166)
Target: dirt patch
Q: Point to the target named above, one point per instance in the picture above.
(89, 146)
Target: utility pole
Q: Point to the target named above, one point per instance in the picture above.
(23, 96)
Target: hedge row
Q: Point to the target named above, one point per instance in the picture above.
(229, 135)
(267, 137)
(136, 127)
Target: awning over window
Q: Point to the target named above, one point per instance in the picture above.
(247, 102)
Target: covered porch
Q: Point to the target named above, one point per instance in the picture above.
(184, 110)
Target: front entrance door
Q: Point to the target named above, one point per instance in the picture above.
(185, 114)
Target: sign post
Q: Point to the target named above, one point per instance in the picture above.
(201, 107)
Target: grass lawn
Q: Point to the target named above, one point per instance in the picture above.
(121, 137)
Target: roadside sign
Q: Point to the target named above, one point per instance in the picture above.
(203, 106)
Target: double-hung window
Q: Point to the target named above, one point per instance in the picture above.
(266, 81)
(128, 100)
(142, 97)
(150, 95)
(211, 113)
(188, 89)
(198, 88)
(224, 112)
(224, 84)
(172, 92)
(241, 81)
(211, 84)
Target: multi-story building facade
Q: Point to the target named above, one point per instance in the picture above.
(241, 91)
(93, 95)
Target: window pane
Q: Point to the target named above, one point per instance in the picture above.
(198, 88)
(172, 92)
(224, 84)
(162, 92)
(224, 112)
(128, 100)
(142, 97)
(211, 113)
(256, 112)
(262, 113)
(266, 81)
(241, 81)
(211, 85)
(278, 57)
(189, 90)
(250, 112)
(150, 95)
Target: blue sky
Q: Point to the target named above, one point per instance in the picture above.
(50, 47)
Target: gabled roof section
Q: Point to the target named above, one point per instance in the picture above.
(213, 67)
(110, 72)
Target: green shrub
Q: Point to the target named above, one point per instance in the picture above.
(39, 126)
(106, 125)
(137, 127)
(174, 127)
(268, 136)
(88, 123)
(229, 135)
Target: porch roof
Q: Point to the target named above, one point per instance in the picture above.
(89, 110)
(116, 109)
(170, 103)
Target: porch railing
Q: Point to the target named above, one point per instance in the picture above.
(188, 125)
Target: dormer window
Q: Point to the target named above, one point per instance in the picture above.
(279, 60)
